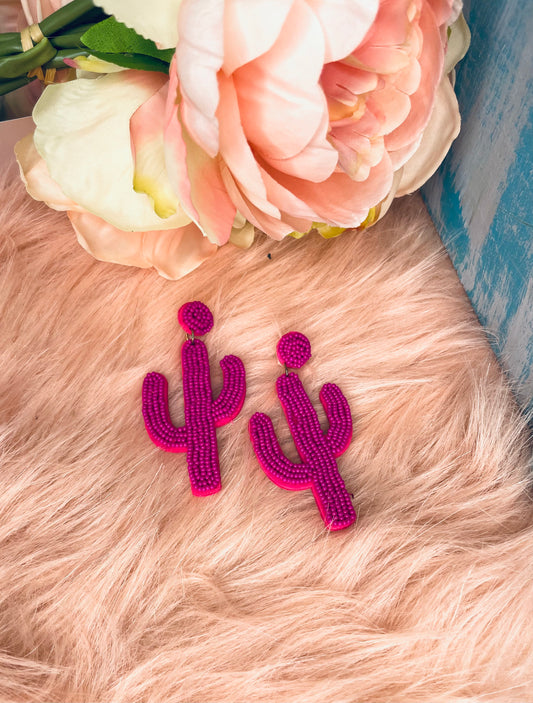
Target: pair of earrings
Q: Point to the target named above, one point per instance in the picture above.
(197, 437)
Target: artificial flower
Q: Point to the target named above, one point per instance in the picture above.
(296, 111)
(278, 114)
(79, 160)
(172, 252)
(105, 189)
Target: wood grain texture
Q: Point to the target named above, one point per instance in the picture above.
(481, 199)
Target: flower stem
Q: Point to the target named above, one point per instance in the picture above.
(9, 86)
(68, 14)
(10, 43)
(71, 39)
(62, 32)
(17, 65)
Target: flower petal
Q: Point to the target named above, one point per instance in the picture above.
(235, 150)
(316, 161)
(340, 201)
(457, 8)
(36, 178)
(390, 106)
(284, 200)
(442, 128)
(385, 204)
(391, 26)
(442, 9)
(358, 153)
(82, 132)
(243, 236)
(200, 54)
(280, 99)
(257, 26)
(345, 83)
(159, 22)
(147, 125)
(173, 252)
(431, 61)
(344, 23)
(400, 156)
(273, 226)
(195, 176)
(458, 43)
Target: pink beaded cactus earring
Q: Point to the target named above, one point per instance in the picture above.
(203, 415)
(318, 469)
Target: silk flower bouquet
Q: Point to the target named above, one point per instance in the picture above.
(194, 123)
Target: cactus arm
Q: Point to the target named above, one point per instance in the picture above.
(157, 418)
(231, 398)
(339, 434)
(278, 468)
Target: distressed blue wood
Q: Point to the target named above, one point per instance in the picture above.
(481, 199)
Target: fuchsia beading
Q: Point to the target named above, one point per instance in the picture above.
(318, 469)
(318, 450)
(202, 414)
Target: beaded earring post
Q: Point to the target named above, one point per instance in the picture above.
(318, 468)
(203, 415)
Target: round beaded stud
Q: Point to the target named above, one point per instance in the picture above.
(195, 318)
(294, 350)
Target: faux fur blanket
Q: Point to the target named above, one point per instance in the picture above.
(118, 585)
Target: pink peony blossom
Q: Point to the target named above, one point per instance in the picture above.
(290, 112)
(279, 114)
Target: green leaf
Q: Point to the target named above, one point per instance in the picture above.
(113, 37)
(140, 62)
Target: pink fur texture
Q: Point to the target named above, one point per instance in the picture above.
(119, 586)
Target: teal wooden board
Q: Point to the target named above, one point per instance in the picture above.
(481, 199)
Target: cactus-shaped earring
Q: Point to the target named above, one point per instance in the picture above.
(203, 415)
(318, 470)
